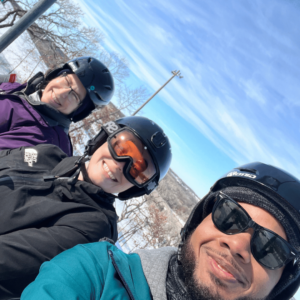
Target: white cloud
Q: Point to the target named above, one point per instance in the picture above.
(240, 86)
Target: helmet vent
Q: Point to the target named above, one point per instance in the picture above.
(108, 87)
(247, 170)
(158, 139)
(77, 63)
(90, 59)
(105, 71)
(98, 96)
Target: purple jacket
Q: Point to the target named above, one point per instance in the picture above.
(21, 125)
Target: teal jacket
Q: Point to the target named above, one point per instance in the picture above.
(91, 271)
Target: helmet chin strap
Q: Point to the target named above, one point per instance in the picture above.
(82, 169)
(85, 174)
(78, 165)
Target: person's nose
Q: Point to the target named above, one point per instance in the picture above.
(65, 94)
(239, 245)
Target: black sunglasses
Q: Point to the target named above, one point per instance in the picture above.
(267, 247)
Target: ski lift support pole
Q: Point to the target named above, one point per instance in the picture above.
(23, 23)
(175, 73)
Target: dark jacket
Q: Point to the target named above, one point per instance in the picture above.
(22, 125)
(42, 214)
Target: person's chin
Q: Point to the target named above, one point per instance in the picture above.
(209, 276)
(109, 190)
(218, 290)
(61, 110)
(107, 186)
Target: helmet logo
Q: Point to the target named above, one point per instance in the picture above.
(241, 174)
(111, 127)
(92, 88)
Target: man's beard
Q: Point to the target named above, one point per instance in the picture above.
(196, 290)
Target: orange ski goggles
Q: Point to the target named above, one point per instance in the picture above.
(127, 146)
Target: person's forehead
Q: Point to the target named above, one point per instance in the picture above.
(264, 218)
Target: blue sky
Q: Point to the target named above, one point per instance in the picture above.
(239, 99)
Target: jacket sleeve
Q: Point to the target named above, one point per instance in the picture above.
(23, 252)
(8, 87)
(49, 156)
(72, 275)
(7, 110)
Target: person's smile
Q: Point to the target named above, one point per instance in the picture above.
(108, 172)
(223, 269)
(64, 95)
(55, 101)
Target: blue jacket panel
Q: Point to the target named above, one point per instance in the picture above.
(91, 271)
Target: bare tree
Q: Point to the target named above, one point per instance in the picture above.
(146, 224)
(59, 36)
(132, 219)
(10, 17)
(5, 65)
(156, 231)
(61, 27)
(24, 63)
(117, 64)
(127, 101)
(131, 207)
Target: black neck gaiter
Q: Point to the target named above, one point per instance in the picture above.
(52, 116)
(176, 289)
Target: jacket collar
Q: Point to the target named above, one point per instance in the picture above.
(68, 167)
(52, 116)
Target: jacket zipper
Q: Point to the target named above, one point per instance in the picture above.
(23, 178)
(20, 178)
(121, 276)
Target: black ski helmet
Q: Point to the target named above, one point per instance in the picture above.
(283, 190)
(95, 77)
(151, 135)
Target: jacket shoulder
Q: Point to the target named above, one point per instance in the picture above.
(8, 86)
(90, 272)
(127, 266)
(73, 274)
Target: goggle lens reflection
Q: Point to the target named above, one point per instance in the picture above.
(126, 144)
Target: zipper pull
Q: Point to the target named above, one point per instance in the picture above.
(49, 177)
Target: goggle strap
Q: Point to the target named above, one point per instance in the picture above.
(132, 192)
(93, 144)
(85, 174)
